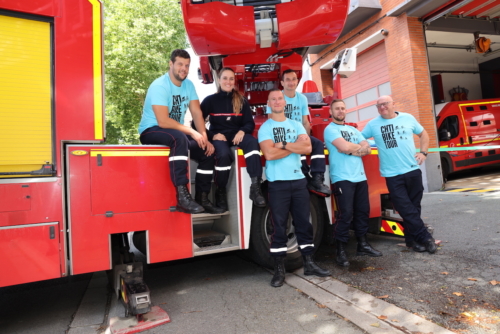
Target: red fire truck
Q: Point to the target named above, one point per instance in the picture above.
(69, 206)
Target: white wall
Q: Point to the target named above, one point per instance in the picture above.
(469, 81)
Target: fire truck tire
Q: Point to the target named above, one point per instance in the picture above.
(261, 231)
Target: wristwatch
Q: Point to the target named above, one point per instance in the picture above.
(284, 145)
(424, 153)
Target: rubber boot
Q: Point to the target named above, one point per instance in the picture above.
(316, 185)
(364, 248)
(185, 202)
(279, 272)
(341, 255)
(221, 198)
(202, 199)
(256, 193)
(311, 268)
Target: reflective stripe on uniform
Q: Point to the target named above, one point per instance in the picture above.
(317, 156)
(223, 168)
(305, 246)
(277, 250)
(252, 153)
(201, 171)
(179, 157)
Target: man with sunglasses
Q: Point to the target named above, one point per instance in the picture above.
(399, 164)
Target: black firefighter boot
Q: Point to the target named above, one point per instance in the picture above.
(221, 198)
(311, 268)
(317, 186)
(341, 255)
(364, 248)
(185, 202)
(202, 199)
(256, 193)
(279, 272)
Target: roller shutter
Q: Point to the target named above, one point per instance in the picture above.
(26, 139)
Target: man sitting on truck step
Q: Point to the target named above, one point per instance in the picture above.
(162, 123)
(282, 141)
(297, 109)
(346, 146)
(399, 164)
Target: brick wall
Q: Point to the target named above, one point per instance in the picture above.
(406, 58)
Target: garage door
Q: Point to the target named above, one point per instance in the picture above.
(26, 142)
(370, 81)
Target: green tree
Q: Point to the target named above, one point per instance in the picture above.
(139, 36)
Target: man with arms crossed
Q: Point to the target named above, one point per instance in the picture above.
(346, 146)
(282, 141)
(399, 164)
(296, 108)
(162, 123)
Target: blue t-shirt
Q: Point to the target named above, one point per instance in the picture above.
(344, 167)
(163, 92)
(394, 139)
(289, 167)
(295, 108)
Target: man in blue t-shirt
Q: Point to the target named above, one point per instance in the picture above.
(282, 141)
(399, 164)
(346, 146)
(297, 109)
(162, 120)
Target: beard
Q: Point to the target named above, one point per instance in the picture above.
(339, 118)
(177, 77)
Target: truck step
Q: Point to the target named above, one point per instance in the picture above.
(203, 218)
(208, 238)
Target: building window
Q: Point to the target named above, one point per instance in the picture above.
(361, 106)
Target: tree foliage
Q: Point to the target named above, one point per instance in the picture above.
(139, 36)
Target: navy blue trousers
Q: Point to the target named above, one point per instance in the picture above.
(353, 205)
(224, 158)
(179, 144)
(292, 197)
(317, 158)
(406, 192)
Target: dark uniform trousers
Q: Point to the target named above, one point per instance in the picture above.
(351, 199)
(286, 197)
(317, 158)
(224, 158)
(406, 191)
(179, 144)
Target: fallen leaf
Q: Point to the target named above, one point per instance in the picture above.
(466, 314)
(474, 300)
(472, 279)
(494, 282)
(457, 294)
(444, 273)
(382, 317)
(375, 324)
(320, 305)
(395, 320)
(384, 296)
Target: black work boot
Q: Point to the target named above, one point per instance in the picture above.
(311, 268)
(364, 248)
(202, 199)
(341, 255)
(185, 202)
(256, 193)
(316, 185)
(279, 272)
(416, 246)
(221, 198)
(430, 245)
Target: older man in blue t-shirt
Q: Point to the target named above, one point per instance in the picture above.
(399, 164)
(282, 141)
(162, 123)
(346, 146)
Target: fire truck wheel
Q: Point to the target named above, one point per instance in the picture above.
(262, 229)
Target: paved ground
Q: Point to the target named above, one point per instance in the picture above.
(451, 287)
(486, 177)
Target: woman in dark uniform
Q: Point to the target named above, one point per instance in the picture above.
(231, 124)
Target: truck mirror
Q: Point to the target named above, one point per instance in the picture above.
(444, 135)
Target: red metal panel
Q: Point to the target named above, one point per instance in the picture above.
(38, 7)
(483, 9)
(28, 254)
(468, 7)
(376, 183)
(310, 22)
(15, 197)
(169, 233)
(217, 28)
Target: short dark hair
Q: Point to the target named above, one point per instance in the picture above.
(179, 53)
(335, 101)
(286, 72)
